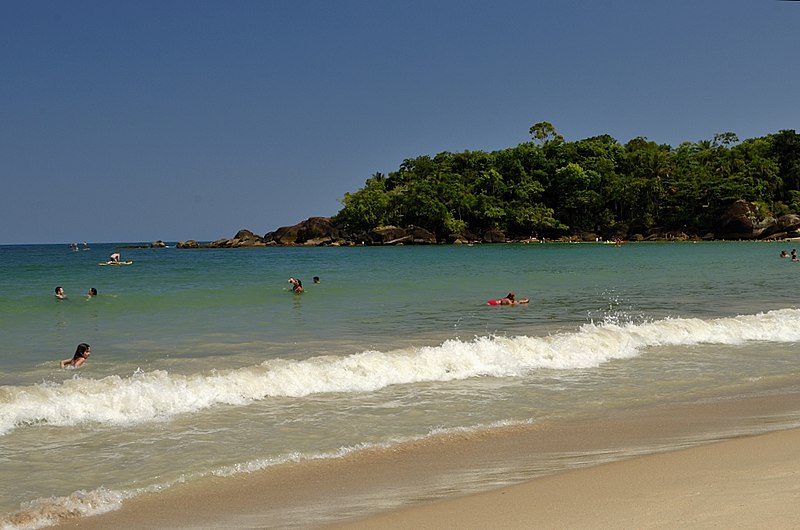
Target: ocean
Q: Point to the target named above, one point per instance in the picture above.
(204, 363)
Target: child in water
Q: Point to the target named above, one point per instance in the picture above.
(81, 354)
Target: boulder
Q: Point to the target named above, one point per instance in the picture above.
(743, 221)
(785, 226)
(388, 235)
(420, 236)
(316, 230)
(285, 235)
(494, 236)
(189, 243)
(246, 238)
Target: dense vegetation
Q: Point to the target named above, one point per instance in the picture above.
(549, 187)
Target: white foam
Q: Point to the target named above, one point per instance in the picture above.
(158, 395)
(54, 510)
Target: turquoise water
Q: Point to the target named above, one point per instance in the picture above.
(204, 362)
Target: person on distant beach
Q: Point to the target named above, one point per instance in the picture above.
(113, 258)
(316, 279)
(509, 299)
(81, 354)
(92, 292)
(297, 285)
(60, 293)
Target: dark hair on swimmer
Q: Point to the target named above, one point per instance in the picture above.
(93, 291)
(82, 347)
(58, 288)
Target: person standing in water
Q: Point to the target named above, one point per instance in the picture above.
(297, 285)
(81, 354)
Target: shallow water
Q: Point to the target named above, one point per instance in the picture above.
(205, 363)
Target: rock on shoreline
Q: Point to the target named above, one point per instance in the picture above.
(742, 221)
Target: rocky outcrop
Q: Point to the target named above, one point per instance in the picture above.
(314, 231)
(494, 236)
(785, 226)
(246, 238)
(743, 220)
(388, 235)
(243, 238)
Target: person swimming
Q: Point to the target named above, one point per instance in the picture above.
(81, 354)
(509, 299)
(60, 293)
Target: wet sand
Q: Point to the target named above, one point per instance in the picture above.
(691, 465)
(751, 482)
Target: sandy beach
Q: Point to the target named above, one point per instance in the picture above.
(751, 482)
(683, 465)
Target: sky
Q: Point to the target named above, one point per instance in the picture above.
(172, 120)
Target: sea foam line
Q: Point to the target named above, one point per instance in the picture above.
(48, 511)
(158, 395)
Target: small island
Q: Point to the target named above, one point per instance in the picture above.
(548, 189)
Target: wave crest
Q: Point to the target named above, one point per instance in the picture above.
(158, 395)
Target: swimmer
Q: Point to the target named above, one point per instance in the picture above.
(92, 292)
(316, 279)
(60, 293)
(297, 285)
(81, 354)
(509, 299)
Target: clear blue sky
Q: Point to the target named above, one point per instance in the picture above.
(135, 121)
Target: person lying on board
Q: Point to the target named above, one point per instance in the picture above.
(510, 299)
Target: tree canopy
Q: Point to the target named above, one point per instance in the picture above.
(549, 187)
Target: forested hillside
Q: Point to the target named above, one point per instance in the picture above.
(549, 187)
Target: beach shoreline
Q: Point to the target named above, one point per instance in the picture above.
(697, 463)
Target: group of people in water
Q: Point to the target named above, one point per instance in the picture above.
(792, 255)
(297, 284)
(509, 299)
(62, 295)
(84, 350)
